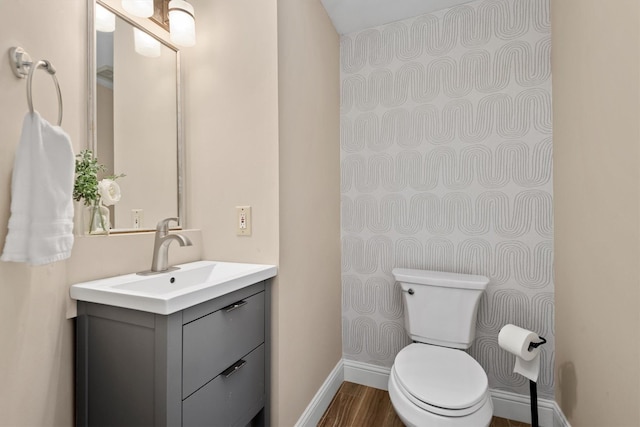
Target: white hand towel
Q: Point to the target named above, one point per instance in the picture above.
(41, 222)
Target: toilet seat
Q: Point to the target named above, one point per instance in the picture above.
(414, 416)
(441, 380)
(449, 413)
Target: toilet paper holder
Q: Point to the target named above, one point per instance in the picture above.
(519, 342)
(533, 389)
(533, 345)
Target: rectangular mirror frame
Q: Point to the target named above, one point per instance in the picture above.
(92, 143)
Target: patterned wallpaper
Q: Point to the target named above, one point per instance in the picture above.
(446, 162)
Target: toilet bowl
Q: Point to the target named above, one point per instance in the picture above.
(433, 382)
(438, 386)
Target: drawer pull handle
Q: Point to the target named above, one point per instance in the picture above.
(233, 369)
(234, 306)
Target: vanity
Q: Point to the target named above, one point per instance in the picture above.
(189, 347)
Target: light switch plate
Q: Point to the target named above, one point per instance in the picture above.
(243, 220)
(137, 218)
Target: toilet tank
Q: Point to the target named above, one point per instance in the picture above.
(440, 308)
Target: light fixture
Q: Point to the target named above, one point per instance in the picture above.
(141, 8)
(145, 45)
(182, 23)
(105, 20)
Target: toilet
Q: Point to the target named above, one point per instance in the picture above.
(434, 382)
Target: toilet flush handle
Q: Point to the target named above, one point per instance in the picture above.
(409, 291)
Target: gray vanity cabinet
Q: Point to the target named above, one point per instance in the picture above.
(207, 365)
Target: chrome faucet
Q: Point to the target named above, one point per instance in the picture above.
(160, 261)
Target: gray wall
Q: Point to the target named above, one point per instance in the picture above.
(446, 165)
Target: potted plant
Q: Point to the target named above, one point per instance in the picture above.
(96, 195)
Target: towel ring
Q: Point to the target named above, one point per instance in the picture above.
(46, 65)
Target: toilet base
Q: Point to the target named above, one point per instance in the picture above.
(412, 416)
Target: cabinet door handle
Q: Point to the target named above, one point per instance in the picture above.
(234, 306)
(234, 368)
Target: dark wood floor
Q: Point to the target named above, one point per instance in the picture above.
(358, 406)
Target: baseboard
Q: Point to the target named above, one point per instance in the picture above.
(517, 407)
(366, 374)
(559, 420)
(321, 401)
(505, 404)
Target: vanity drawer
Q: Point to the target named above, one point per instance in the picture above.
(214, 342)
(232, 398)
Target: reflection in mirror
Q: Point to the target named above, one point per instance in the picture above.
(137, 123)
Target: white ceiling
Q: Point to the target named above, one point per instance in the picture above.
(354, 15)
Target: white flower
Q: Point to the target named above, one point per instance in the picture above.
(109, 192)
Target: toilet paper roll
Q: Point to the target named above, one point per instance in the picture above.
(516, 341)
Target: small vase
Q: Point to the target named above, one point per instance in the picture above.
(96, 220)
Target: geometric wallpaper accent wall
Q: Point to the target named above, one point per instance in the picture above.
(446, 164)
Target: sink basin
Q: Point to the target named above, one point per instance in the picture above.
(166, 293)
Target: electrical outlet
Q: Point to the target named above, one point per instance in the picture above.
(243, 220)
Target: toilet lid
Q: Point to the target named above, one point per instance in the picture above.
(440, 376)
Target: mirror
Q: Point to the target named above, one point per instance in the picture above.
(135, 118)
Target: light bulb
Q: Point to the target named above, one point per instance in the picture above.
(182, 23)
(105, 20)
(145, 45)
(141, 8)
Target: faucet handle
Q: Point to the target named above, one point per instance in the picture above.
(163, 225)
